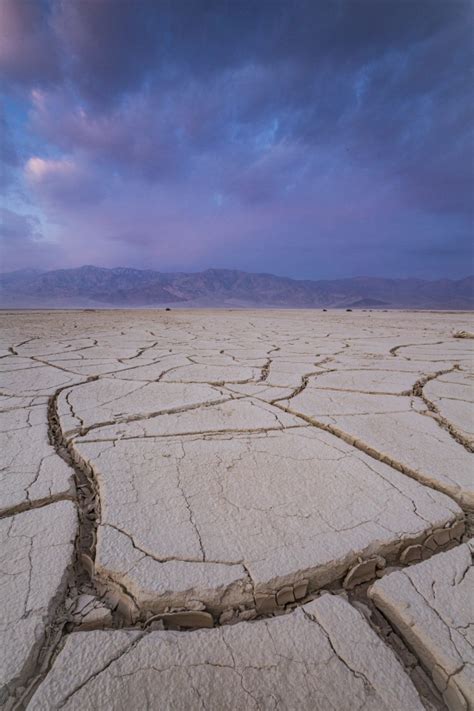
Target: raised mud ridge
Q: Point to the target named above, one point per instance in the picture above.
(87, 491)
(79, 572)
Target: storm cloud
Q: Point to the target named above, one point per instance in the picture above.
(313, 139)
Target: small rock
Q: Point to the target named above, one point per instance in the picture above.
(195, 605)
(112, 599)
(157, 625)
(88, 564)
(457, 530)
(439, 538)
(284, 596)
(430, 543)
(226, 617)
(360, 573)
(300, 589)
(442, 536)
(69, 604)
(154, 620)
(248, 615)
(411, 554)
(97, 618)
(192, 619)
(127, 609)
(380, 562)
(265, 603)
(463, 334)
(84, 601)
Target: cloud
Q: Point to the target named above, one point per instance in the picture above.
(14, 227)
(264, 134)
(22, 243)
(63, 181)
(28, 51)
(9, 158)
(138, 138)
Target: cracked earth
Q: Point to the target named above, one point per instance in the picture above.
(236, 510)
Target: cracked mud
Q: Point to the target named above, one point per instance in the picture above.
(272, 475)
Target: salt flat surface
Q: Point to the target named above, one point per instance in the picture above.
(224, 466)
(432, 604)
(36, 550)
(324, 656)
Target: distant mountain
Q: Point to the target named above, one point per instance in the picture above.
(90, 286)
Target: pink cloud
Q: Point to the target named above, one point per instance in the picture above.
(63, 181)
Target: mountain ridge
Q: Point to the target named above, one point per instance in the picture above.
(89, 285)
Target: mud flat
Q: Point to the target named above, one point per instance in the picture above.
(236, 509)
(432, 604)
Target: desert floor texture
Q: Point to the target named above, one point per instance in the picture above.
(236, 510)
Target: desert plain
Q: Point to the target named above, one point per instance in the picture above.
(237, 509)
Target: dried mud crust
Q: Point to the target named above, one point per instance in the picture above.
(432, 607)
(323, 656)
(213, 481)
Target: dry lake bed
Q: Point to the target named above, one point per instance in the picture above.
(236, 510)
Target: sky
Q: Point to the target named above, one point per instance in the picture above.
(312, 139)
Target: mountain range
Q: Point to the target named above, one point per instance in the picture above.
(90, 286)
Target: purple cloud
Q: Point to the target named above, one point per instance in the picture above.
(27, 52)
(22, 242)
(313, 139)
(62, 181)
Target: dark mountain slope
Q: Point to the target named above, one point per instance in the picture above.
(95, 286)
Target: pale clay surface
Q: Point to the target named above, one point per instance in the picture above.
(228, 465)
(324, 656)
(35, 551)
(432, 605)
